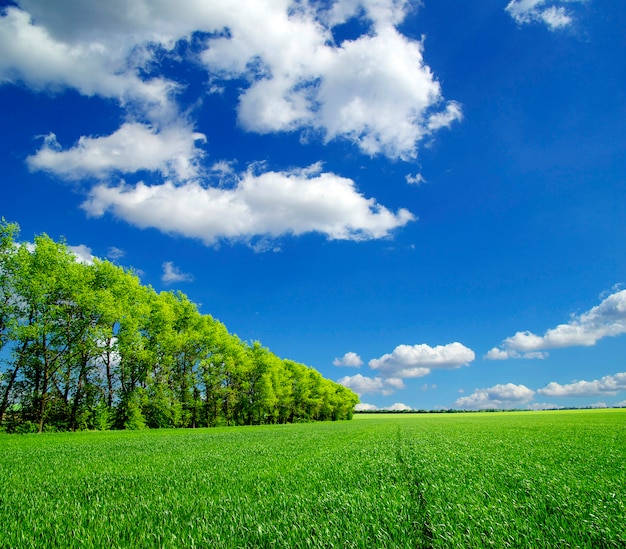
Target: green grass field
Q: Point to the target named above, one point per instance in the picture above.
(527, 479)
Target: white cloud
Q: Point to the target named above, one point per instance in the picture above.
(380, 12)
(396, 407)
(608, 319)
(374, 90)
(362, 407)
(131, 148)
(371, 385)
(349, 359)
(115, 253)
(31, 54)
(270, 204)
(408, 361)
(82, 253)
(172, 274)
(499, 354)
(543, 406)
(416, 179)
(498, 396)
(608, 385)
(553, 13)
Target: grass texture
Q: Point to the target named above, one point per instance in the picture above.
(520, 480)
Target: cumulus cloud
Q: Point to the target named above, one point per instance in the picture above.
(172, 274)
(270, 204)
(608, 319)
(33, 55)
(552, 13)
(361, 384)
(363, 407)
(608, 385)
(291, 75)
(407, 361)
(133, 147)
(374, 90)
(500, 396)
(349, 359)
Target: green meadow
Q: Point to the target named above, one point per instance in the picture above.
(519, 479)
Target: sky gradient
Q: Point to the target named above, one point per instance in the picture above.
(425, 201)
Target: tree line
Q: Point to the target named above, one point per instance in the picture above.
(87, 346)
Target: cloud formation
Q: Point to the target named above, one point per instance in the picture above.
(270, 204)
(82, 253)
(133, 147)
(172, 274)
(501, 396)
(374, 90)
(291, 73)
(395, 407)
(361, 384)
(608, 385)
(552, 13)
(114, 253)
(34, 54)
(350, 359)
(608, 319)
(408, 361)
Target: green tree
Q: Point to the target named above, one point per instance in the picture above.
(89, 346)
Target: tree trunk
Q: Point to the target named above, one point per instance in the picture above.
(42, 402)
(5, 398)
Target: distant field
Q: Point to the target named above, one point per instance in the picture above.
(528, 479)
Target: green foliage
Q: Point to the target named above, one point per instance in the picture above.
(89, 347)
(523, 480)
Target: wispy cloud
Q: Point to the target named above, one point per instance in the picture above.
(416, 179)
(172, 274)
(608, 319)
(114, 253)
(553, 13)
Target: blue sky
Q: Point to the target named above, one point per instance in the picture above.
(424, 201)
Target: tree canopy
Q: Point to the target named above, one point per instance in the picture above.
(87, 346)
